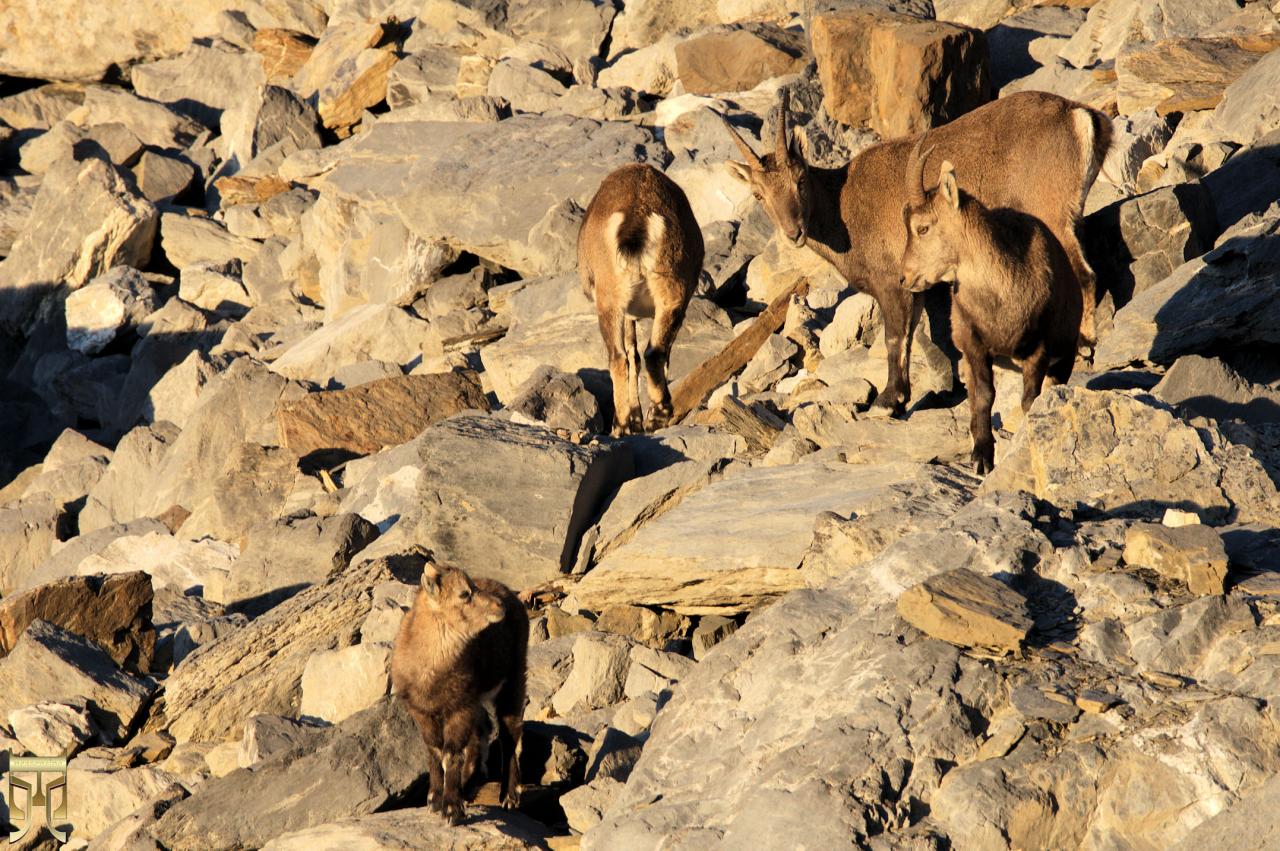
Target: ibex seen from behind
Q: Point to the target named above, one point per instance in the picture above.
(1014, 292)
(459, 665)
(639, 256)
(1032, 151)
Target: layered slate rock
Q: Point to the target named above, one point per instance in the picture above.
(505, 500)
(258, 669)
(50, 663)
(1120, 452)
(352, 769)
(413, 171)
(736, 543)
(112, 611)
(968, 610)
(380, 413)
(898, 73)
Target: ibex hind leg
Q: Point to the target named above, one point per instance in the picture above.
(626, 420)
(666, 325)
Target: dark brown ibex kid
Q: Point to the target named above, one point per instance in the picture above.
(1031, 151)
(639, 255)
(459, 665)
(1014, 292)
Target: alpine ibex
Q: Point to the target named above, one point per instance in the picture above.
(459, 665)
(1032, 151)
(1014, 292)
(639, 255)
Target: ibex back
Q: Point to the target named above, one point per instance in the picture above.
(1033, 152)
(639, 256)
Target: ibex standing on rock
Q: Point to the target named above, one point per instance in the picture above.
(639, 255)
(459, 665)
(1034, 152)
(1014, 292)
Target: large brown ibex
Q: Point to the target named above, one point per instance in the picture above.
(1032, 151)
(639, 255)
(1014, 293)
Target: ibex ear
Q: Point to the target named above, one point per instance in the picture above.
(799, 145)
(742, 171)
(431, 577)
(947, 184)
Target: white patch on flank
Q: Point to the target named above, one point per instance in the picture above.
(1089, 165)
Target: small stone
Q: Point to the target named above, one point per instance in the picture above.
(711, 630)
(1036, 703)
(1094, 701)
(1176, 517)
(1003, 734)
(559, 622)
(1193, 554)
(967, 609)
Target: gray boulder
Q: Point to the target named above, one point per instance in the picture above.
(558, 399)
(106, 307)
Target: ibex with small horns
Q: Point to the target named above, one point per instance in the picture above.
(1014, 293)
(1032, 151)
(639, 256)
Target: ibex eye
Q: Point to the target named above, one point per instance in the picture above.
(921, 230)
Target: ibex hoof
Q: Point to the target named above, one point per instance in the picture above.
(659, 416)
(452, 812)
(511, 800)
(983, 461)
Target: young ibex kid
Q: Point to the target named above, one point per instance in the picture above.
(639, 256)
(459, 665)
(1014, 291)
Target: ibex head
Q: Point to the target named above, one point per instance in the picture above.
(933, 222)
(778, 180)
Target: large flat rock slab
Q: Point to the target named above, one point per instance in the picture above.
(736, 543)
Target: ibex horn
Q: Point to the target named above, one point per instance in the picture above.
(784, 107)
(747, 154)
(915, 173)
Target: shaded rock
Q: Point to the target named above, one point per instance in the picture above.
(282, 558)
(336, 684)
(510, 501)
(1220, 299)
(161, 178)
(106, 307)
(1193, 554)
(490, 830)
(203, 82)
(968, 610)
(737, 59)
(711, 554)
(369, 760)
(1122, 453)
(558, 399)
(898, 74)
(85, 219)
(113, 142)
(386, 412)
(258, 668)
(529, 226)
(113, 611)
(1211, 388)
(49, 663)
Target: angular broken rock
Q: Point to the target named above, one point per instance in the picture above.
(52, 728)
(336, 684)
(898, 73)
(506, 500)
(1126, 452)
(112, 611)
(386, 412)
(1193, 554)
(259, 667)
(967, 609)
(357, 767)
(86, 218)
(49, 663)
(105, 307)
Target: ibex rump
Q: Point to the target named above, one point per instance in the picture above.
(1032, 151)
(639, 256)
(1014, 292)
